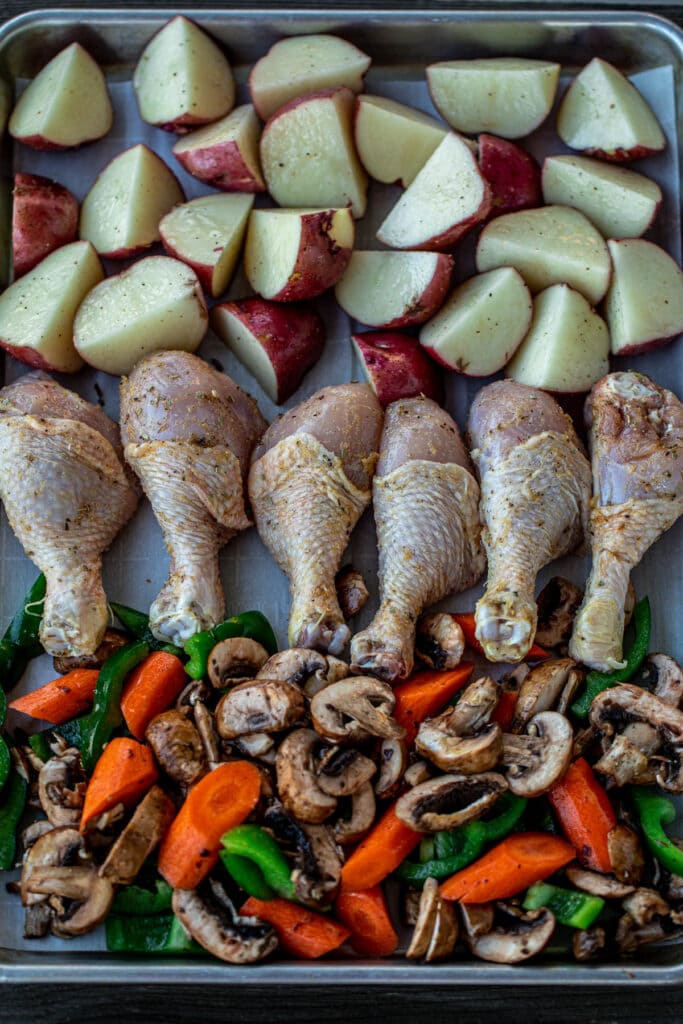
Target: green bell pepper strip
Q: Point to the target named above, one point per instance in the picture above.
(655, 811)
(427, 849)
(253, 843)
(20, 642)
(97, 727)
(253, 625)
(5, 759)
(457, 849)
(570, 907)
(39, 745)
(596, 682)
(160, 934)
(137, 624)
(247, 875)
(11, 809)
(136, 901)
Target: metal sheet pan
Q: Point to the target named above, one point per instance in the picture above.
(401, 43)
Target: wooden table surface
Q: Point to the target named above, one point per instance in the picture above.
(154, 1004)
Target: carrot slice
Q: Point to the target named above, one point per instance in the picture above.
(122, 775)
(466, 622)
(380, 853)
(585, 814)
(151, 688)
(219, 802)
(61, 699)
(508, 868)
(367, 915)
(426, 693)
(301, 932)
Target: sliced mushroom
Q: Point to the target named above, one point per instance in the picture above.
(61, 788)
(260, 705)
(440, 641)
(82, 908)
(514, 934)
(354, 709)
(626, 854)
(196, 690)
(56, 847)
(604, 886)
(417, 772)
(206, 727)
(140, 837)
(234, 660)
(349, 830)
(630, 936)
(436, 928)
(33, 832)
(541, 690)
(256, 744)
(38, 920)
(538, 759)
(664, 677)
(557, 603)
(210, 918)
(627, 757)
(112, 641)
(393, 761)
(352, 592)
(343, 770)
(303, 667)
(589, 943)
(449, 801)
(462, 739)
(297, 781)
(177, 747)
(318, 865)
(645, 905)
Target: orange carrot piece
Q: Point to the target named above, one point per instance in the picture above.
(218, 802)
(61, 699)
(585, 814)
(367, 915)
(380, 853)
(508, 868)
(466, 622)
(302, 932)
(123, 774)
(424, 694)
(505, 709)
(151, 688)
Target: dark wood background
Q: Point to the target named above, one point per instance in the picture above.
(154, 1004)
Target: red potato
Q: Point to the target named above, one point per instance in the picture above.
(396, 367)
(512, 173)
(644, 305)
(604, 115)
(447, 199)
(182, 78)
(296, 254)
(44, 216)
(393, 141)
(225, 154)
(394, 289)
(276, 343)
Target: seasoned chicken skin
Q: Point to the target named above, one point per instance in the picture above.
(426, 504)
(188, 432)
(535, 498)
(67, 494)
(309, 483)
(636, 440)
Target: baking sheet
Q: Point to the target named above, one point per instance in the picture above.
(136, 566)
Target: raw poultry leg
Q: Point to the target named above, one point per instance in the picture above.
(535, 496)
(426, 503)
(636, 439)
(67, 495)
(308, 485)
(189, 431)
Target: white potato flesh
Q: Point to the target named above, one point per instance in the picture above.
(212, 152)
(394, 141)
(65, 105)
(552, 245)
(448, 194)
(122, 210)
(603, 112)
(507, 96)
(477, 330)
(567, 347)
(302, 64)
(644, 304)
(37, 311)
(619, 202)
(308, 155)
(208, 232)
(156, 304)
(182, 78)
(380, 287)
(238, 336)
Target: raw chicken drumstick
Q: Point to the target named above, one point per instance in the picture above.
(189, 431)
(535, 498)
(636, 439)
(309, 483)
(426, 504)
(66, 492)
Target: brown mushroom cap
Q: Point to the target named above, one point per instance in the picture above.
(318, 865)
(112, 641)
(449, 801)
(436, 928)
(140, 837)
(605, 886)
(61, 788)
(260, 705)
(234, 660)
(177, 747)
(210, 918)
(538, 759)
(514, 935)
(644, 905)
(393, 761)
(557, 603)
(349, 830)
(469, 755)
(352, 592)
(354, 709)
(342, 771)
(664, 677)
(589, 943)
(297, 781)
(440, 641)
(541, 690)
(626, 855)
(303, 667)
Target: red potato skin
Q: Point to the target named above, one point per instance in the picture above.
(44, 217)
(646, 346)
(431, 299)
(398, 367)
(29, 356)
(204, 271)
(221, 166)
(512, 173)
(621, 156)
(447, 239)
(44, 145)
(292, 337)
(184, 124)
(320, 262)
